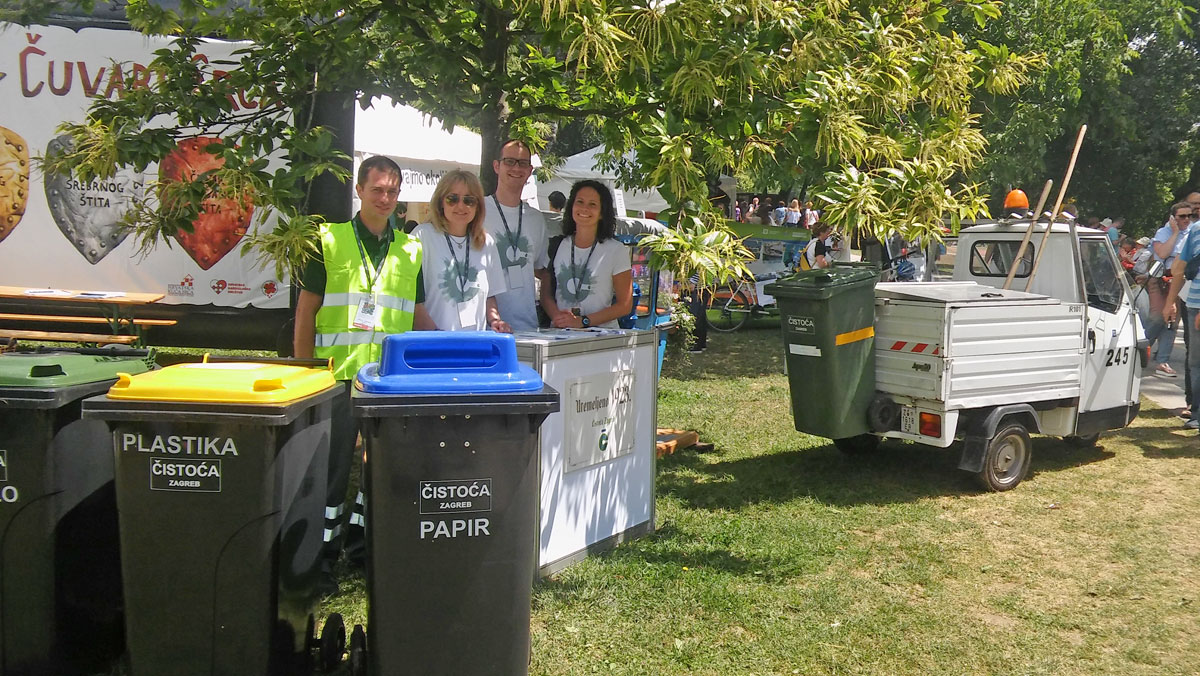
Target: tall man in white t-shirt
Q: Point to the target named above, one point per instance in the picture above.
(520, 236)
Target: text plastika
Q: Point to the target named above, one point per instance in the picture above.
(178, 444)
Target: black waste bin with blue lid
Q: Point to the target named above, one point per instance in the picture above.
(450, 427)
(220, 482)
(60, 569)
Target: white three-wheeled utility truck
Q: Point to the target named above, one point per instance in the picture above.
(968, 360)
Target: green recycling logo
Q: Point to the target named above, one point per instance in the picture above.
(514, 250)
(603, 440)
(575, 282)
(450, 282)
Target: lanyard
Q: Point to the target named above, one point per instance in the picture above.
(462, 272)
(362, 251)
(591, 251)
(520, 218)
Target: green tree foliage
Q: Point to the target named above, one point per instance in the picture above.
(870, 100)
(1126, 68)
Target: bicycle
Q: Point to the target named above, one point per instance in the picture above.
(730, 307)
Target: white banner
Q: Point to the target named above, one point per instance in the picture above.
(58, 233)
(597, 417)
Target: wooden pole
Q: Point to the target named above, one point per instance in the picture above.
(1062, 193)
(1037, 213)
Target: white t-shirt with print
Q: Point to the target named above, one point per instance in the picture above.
(446, 296)
(520, 249)
(588, 288)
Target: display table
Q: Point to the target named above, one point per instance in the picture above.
(597, 453)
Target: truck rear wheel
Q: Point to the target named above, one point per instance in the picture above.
(1007, 459)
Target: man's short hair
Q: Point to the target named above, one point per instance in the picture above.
(557, 200)
(509, 141)
(378, 163)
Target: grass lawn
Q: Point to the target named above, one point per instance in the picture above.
(776, 554)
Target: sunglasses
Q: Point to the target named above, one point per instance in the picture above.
(1183, 215)
(453, 198)
(514, 162)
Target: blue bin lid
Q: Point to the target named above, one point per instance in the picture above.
(448, 362)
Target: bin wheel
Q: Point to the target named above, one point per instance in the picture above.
(333, 642)
(857, 445)
(728, 313)
(1083, 441)
(358, 651)
(1007, 459)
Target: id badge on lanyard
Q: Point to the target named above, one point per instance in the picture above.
(468, 313)
(367, 315)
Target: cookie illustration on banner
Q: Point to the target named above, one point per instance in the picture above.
(222, 221)
(14, 180)
(89, 214)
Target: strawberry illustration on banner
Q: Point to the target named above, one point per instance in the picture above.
(14, 180)
(89, 214)
(222, 221)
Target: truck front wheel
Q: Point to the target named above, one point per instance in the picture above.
(1007, 460)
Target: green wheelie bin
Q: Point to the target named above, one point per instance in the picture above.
(827, 318)
(220, 483)
(60, 570)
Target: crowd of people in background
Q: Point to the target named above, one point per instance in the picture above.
(1171, 301)
(767, 210)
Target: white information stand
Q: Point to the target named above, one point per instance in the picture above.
(597, 452)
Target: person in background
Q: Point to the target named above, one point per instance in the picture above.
(1112, 229)
(363, 284)
(738, 211)
(461, 271)
(811, 215)
(818, 253)
(553, 220)
(1187, 254)
(593, 282)
(794, 214)
(780, 213)
(752, 211)
(519, 234)
(1165, 244)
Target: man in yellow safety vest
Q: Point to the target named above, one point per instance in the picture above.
(364, 284)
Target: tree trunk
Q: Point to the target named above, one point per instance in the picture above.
(493, 119)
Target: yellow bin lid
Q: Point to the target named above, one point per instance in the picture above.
(224, 382)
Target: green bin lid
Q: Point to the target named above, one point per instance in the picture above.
(66, 368)
(816, 284)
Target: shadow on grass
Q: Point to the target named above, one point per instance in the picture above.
(898, 472)
(749, 352)
(1160, 436)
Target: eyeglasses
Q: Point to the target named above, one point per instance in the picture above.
(1183, 216)
(453, 198)
(512, 162)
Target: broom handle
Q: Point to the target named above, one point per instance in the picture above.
(1062, 192)
(1037, 213)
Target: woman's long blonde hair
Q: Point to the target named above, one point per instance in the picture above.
(475, 229)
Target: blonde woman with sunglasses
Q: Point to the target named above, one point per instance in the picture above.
(461, 272)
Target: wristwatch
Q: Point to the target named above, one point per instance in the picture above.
(585, 321)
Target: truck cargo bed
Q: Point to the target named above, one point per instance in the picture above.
(967, 345)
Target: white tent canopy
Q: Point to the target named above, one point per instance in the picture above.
(418, 143)
(583, 165)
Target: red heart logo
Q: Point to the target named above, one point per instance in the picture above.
(222, 221)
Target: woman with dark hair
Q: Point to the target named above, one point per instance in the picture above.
(459, 265)
(818, 253)
(593, 282)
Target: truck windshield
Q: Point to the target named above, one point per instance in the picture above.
(993, 258)
(1101, 275)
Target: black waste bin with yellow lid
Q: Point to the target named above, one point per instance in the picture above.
(220, 480)
(827, 318)
(60, 577)
(450, 427)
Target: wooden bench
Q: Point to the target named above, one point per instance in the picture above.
(72, 319)
(63, 337)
